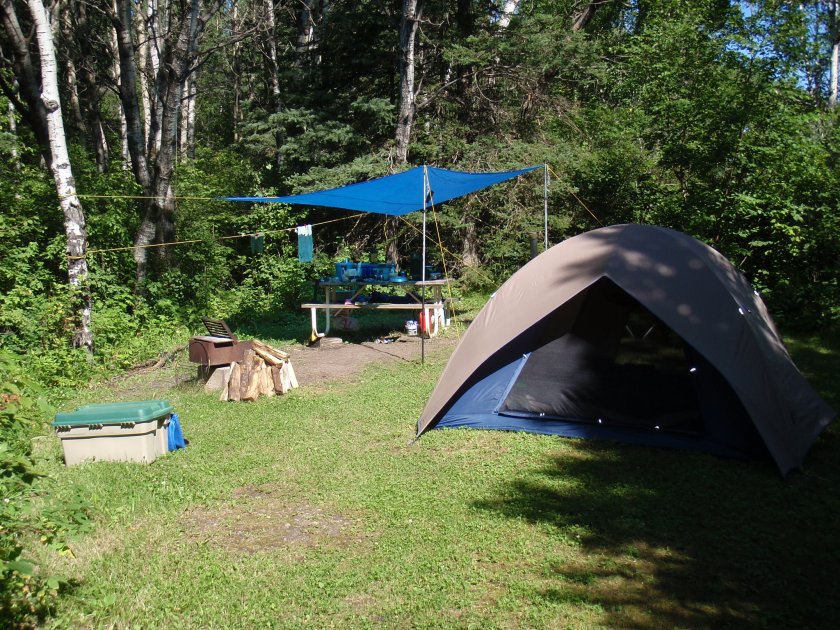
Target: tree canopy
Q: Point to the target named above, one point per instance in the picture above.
(714, 117)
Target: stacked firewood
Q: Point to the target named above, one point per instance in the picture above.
(265, 371)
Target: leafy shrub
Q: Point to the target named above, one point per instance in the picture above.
(25, 594)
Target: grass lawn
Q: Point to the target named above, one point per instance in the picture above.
(314, 509)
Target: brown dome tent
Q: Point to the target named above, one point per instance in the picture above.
(632, 333)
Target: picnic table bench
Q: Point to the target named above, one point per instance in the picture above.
(434, 306)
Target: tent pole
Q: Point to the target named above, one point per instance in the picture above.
(426, 193)
(545, 202)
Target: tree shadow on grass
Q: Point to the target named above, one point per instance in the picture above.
(660, 538)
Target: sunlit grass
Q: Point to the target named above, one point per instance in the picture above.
(316, 509)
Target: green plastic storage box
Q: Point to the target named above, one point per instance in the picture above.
(128, 431)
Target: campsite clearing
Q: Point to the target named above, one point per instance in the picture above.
(312, 509)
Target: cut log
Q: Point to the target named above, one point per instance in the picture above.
(251, 387)
(293, 382)
(234, 382)
(284, 374)
(246, 368)
(264, 370)
(264, 349)
(224, 396)
(277, 377)
(268, 357)
(266, 382)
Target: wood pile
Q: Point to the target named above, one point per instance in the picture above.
(265, 371)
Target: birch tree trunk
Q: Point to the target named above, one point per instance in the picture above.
(176, 42)
(411, 14)
(126, 158)
(274, 73)
(237, 81)
(91, 90)
(13, 132)
(191, 101)
(306, 26)
(73, 92)
(183, 118)
(156, 42)
(32, 108)
(141, 63)
(74, 218)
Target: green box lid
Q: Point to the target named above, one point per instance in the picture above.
(113, 413)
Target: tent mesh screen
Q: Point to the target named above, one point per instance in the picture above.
(616, 364)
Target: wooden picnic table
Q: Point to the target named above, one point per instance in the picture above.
(433, 305)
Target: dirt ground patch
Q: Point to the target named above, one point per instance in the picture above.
(332, 360)
(335, 360)
(257, 520)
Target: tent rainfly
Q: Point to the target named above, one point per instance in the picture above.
(637, 334)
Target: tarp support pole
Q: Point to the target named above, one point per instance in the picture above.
(424, 316)
(545, 202)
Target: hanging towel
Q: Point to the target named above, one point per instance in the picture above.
(304, 234)
(257, 244)
(175, 437)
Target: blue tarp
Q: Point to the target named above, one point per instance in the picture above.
(397, 194)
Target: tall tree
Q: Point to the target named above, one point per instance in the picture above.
(412, 12)
(74, 218)
(25, 91)
(176, 51)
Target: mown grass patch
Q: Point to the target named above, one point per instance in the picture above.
(316, 509)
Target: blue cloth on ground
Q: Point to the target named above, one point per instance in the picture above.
(175, 435)
(305, 246)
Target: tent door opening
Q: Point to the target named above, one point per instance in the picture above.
(611, 363)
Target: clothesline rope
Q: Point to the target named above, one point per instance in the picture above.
(218, 238)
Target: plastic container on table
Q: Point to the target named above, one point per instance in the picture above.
(128, 431)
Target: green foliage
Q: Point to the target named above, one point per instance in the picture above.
(701, 116)
(26, 593)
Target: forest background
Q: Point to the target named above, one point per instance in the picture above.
(122, 120)
(713, 117)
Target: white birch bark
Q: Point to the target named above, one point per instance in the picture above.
(13, 132)
(155, 41)
(274, 72)
(183, 118)
(142, 58)
(191, 115)
(411, 14)
(74, 218)
(237, 81)
(124, 155)
(306, 26)
(73, 91)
